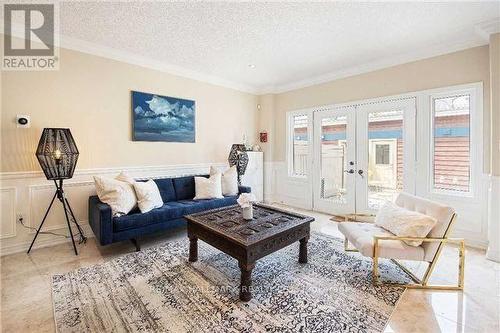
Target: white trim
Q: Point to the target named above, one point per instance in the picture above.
(163, 170)
(289, 144)
(482, 30)
(472, 223)
(408, 106)
(386, 62)
(390, 98)
(31, 198)
(475, 138)
(487, 28)
(41, 243)
(162, 66)
(76, 44)
(493, 252)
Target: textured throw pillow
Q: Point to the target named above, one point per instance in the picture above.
(208, 188)
(229, 180)
(125, 177)
(119, 195)
(148, 195)
(403, 222)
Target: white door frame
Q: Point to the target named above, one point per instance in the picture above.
(408, 105)
(347, 205)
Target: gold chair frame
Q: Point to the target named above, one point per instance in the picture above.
(424, 282)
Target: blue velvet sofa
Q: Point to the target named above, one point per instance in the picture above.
(177, 195)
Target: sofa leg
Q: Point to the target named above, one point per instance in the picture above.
(136, 243)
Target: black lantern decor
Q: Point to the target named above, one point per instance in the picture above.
(239, 157)
(57, 155)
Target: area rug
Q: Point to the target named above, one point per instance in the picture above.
(158, 290)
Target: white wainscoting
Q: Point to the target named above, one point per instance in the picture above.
(291, 191)
(29, 194)
(253, 176)
(8, 212)
(472, 221)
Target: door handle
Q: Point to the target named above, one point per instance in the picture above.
(349, 171)
(360, 172)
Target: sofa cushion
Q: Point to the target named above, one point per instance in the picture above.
(184, 187)
(170, 210)
(361, 236)
(195, 206)
(166, 187)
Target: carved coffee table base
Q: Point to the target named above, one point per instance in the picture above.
(248, 241)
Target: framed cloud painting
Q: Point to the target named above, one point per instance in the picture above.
(162, 118)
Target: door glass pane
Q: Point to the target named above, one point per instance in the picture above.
(300, 145)
(451, 160)
(333, 159)
(385, 156)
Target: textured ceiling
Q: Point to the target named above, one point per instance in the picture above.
(287, 42)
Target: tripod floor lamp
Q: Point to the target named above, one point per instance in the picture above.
(57, 155)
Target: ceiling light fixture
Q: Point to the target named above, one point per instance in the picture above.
(251, 65)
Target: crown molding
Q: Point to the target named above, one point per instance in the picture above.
(487, 28)
(482, 30)
(386, 62)
(135, 59)
(83, 46)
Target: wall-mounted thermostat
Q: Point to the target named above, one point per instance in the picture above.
(23, 121)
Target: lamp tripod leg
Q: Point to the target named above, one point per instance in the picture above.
(83, 239)
(63, 200)
(43, 221)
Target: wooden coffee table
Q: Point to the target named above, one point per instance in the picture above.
(247, 241)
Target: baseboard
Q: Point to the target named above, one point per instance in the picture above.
(493, 255)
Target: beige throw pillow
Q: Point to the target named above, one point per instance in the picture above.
(208, 188)
(118, 194)
(229, 180)
(148, 196)
(403, 222)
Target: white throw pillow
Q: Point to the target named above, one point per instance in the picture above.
(229, 180)
(208, 188)
(404, 222)
(119, 195)
(125, 177)
(148, 195)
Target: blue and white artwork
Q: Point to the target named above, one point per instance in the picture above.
(162, 118)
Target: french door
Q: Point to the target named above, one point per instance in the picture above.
(364, 155)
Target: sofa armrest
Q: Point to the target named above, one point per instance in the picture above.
(101, 220)
(244, 189)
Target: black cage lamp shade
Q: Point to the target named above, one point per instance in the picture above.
(57, 153)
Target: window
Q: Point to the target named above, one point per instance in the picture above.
(298, 144)
(451, 143)
(382, 154)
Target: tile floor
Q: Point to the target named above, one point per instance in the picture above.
(26, 303)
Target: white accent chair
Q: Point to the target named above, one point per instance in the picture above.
(375, 242)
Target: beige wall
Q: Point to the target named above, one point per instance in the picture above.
(266, 124)
(91, 95)
(471, 65)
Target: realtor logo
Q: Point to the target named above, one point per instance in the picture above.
(30, 41)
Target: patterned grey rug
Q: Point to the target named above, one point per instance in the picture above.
(158, 290)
